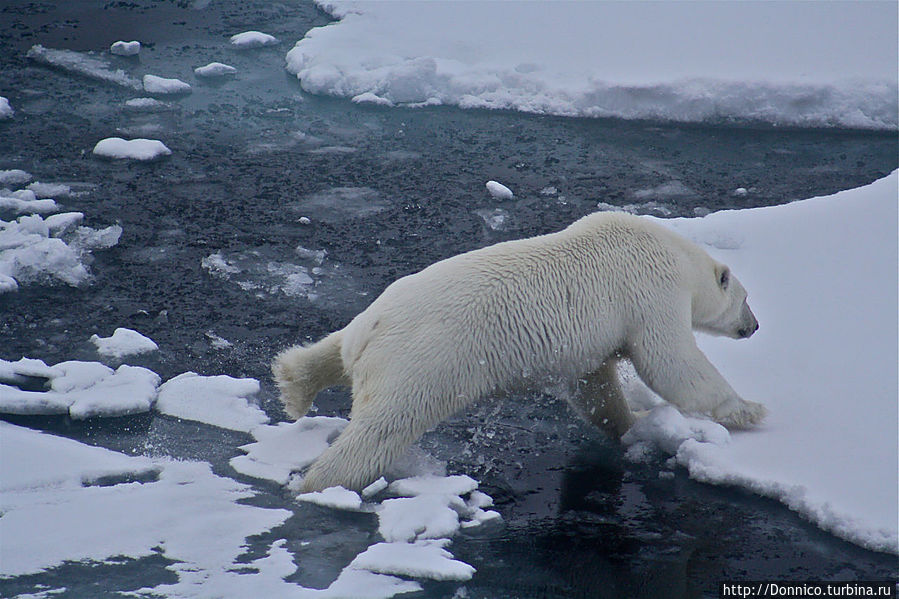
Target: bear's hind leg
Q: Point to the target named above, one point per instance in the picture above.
(600, 399)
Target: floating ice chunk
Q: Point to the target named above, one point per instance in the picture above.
(83, 64)
(163, 85)
(741, 191)
(49, 190)
(83, 390)
(28, 254)
(124, 342)
(458, 484)
(252, 39)
(65, 222)
(374, 488)
(371, 98)
(496, 219)
(287, 447)
(217, 400)
(217, 341)
(135, 149)
(549, 191)
(499, 191)
(665, 191)
(429, 516)
(16, 372)
(6, 111)
(215, 69)
(18, 203)
(85, 238)
(145, 104)
(362, 584)
(335, 497)
(421, 559)
(14, 177)
(125, 48)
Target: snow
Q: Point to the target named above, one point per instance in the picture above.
(822, 279)
(15, 177)
(221, 400)
(252, 39)
(79, 389)
(214, 69)
(333, 497)
(125, 48)
(123, 342)
(25, 203)
(784, 63)
(145, 104)
(154, 84)
(135, 149)
(49, 190)
(422, 559)
(38, 250)
(58, 506)
(499, 191)
(6, 111)
(83, 64)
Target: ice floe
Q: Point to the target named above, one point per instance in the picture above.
(221, 400)
(125, 48)
(134, 149)
(153, 84)
(252, 39)
(6, 111)
(214, 69)
(83, 64)
(123, 342)
(499, 191)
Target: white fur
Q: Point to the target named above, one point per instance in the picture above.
(567, 305)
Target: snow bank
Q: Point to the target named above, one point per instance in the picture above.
(79, 389)
(165, 86)
(822, 279)
(252, 39)
(83, 64)
(135, 149)
(785, 63)
(38, 250)
(214, 69)
(123, 342)
(221, 401)
(125, 48)
(6, 111)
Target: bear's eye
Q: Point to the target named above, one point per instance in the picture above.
(725, 278)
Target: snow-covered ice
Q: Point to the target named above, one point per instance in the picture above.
(253, 39)
(153, 84)
(134, 149)
(79, 389)
(15, 177)
(822, 279)
(123, 342)
(25, 201)
(221, 400)
(6, 111)
(214, 69)
(83, 64)
(148, 104)
(499, 191)
(49, 190)
(421, 559)
(785, 63)
(38, 250)
(122, 48)
(333, 497)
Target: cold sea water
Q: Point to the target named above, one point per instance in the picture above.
(387, 192)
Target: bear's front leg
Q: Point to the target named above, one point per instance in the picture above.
(599, 397)
(672, 365)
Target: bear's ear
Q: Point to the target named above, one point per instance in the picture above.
(723, 274)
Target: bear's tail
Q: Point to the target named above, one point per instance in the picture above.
(303, 370)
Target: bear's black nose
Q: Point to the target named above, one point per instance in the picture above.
(747, 332)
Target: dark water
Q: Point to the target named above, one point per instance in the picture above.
(253, 154)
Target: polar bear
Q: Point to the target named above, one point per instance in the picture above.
(565, 306)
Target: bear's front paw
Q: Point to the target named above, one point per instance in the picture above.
(738, 413)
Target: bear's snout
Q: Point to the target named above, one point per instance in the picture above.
(751, 324)
(748, 331)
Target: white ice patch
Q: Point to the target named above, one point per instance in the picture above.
(121, 48)
(123, 342)
(421, 559)
(14, 177)
(499, 191)
(83, 64)
(25, 202)
(252, 39)
(49, 190)
(79, 389)
(61, 503)
(333, 497)
(148, 104)
(154, 84)
(681, 61)
(6, 111)
(221, 401)
(828, 446)
(496, 219)
(214, 69)
(370, 98)
(38, 250)
(134, 149)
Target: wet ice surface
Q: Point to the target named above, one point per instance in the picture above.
(385, 192)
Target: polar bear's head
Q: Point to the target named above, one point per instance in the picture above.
(719, 304)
